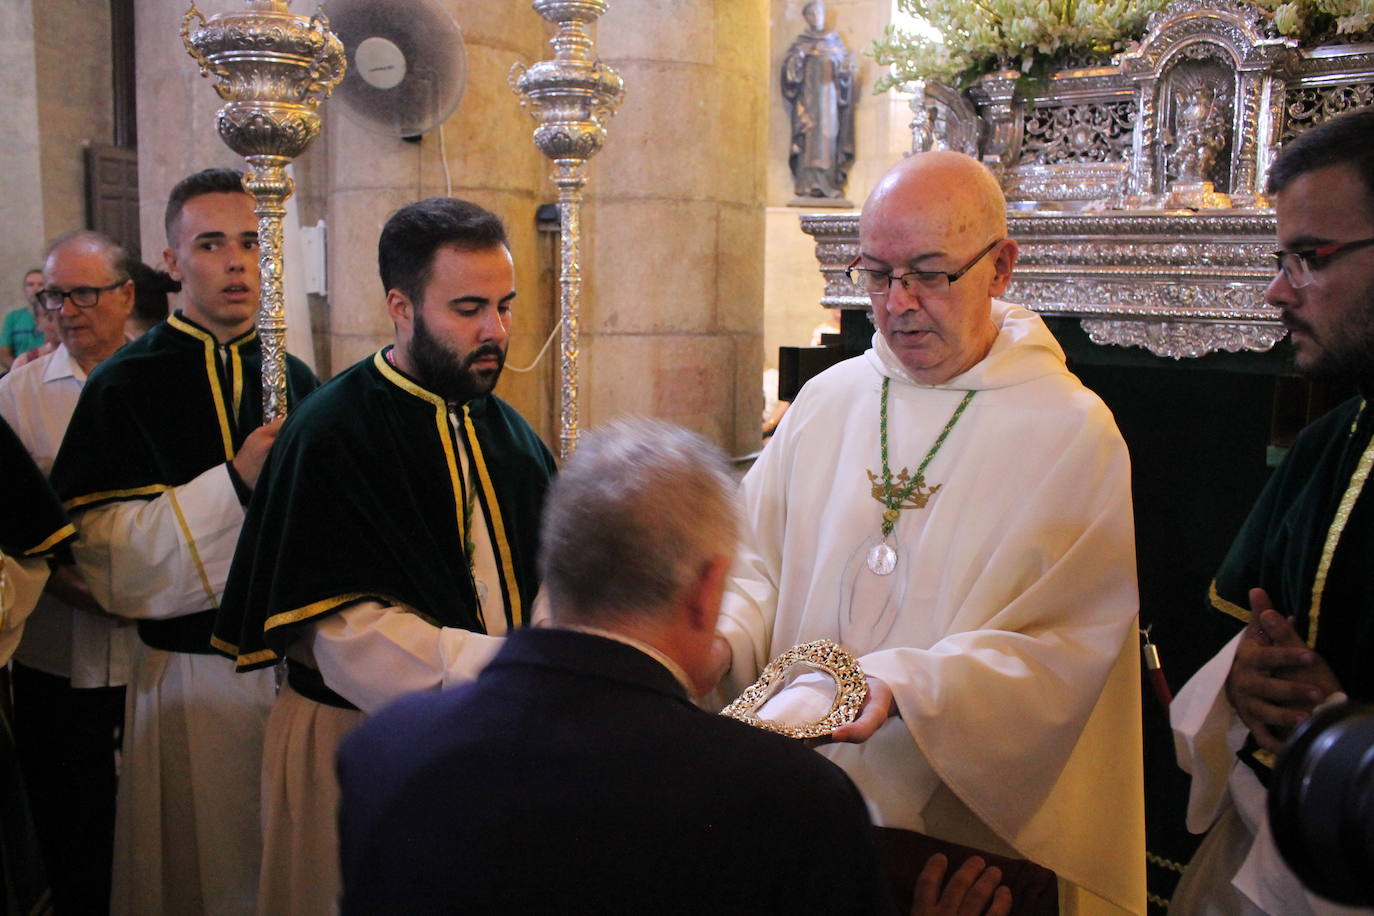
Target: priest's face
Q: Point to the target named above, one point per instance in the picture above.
(215, 256)
(1330, 320)
(455, 342)
(929, 214)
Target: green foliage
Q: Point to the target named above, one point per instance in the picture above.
(1032, 36)
(1035, 37)
(1318, 21)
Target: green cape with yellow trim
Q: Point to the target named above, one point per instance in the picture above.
(33, 523)
(362, 497)
(164, 409)
(1315, 521)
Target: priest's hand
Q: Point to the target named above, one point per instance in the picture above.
(973, 890)
(248, 462)
(876, 709)
(1275, 680)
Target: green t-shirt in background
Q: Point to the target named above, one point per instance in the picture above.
(20, 332)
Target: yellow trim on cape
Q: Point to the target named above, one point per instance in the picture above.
(216, 393)
(236, 377)
(315, 608)
(455, 474)
(1226, 607)
(498, 526)
(1333, 537)
(227, 648)
(78, 501)
(191, 546)
(57, 537)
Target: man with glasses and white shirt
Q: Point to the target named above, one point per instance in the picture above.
(71, 667)
(954, 508)
(1297, 573)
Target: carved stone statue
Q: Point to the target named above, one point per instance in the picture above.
(818, 82)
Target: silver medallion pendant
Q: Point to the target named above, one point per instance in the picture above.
(882, 559)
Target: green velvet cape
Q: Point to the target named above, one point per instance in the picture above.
(164, 409)
(32, 523)
(1309, 542)
(362, 497)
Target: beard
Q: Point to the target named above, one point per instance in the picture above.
(448, 374)
(1345, 350)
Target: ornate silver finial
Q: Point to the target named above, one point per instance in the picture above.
(570, 97)
(272, 69)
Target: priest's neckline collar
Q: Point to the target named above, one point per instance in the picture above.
(179, 321)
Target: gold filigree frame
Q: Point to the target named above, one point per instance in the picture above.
(823, 655)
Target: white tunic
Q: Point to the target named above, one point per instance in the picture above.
(37, 401)
(1238, 868)
(1007, 629)
(193, 728)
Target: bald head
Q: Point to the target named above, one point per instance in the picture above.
(938, 218)
(955, 189)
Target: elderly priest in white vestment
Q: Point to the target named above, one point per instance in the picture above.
(954, 508)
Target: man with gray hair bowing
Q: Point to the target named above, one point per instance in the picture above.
(575, 774)
(954, 508)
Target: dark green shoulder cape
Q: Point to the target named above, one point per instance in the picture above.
(164, 409)
(362, 497)
(1309, 542)
(33, 523)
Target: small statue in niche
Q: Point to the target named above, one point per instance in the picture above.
(1199, 133)
(818, 82)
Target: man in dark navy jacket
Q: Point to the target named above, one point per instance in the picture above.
(575, 774)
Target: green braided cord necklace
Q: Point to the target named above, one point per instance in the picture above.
(905, 491)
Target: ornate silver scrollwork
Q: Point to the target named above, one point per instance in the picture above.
(272, 69)
(823, 655)
(1088, 132)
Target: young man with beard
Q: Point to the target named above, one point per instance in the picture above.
(1304, 554)
(394, 533)
(161, 454)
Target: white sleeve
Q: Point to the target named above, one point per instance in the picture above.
(370, 654)
(21, 582)
(163, 557)
(1207, 734)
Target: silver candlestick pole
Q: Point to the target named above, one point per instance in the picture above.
(570, 97)
(273, 68)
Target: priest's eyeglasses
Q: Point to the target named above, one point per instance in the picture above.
(1297, 266)
(83, 297)
(916, 282)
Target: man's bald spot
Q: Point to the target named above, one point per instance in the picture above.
(971, 193)
(82, 240)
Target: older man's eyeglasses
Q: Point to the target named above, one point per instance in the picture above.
(1297, 266)
(916, 282)
(83, 297)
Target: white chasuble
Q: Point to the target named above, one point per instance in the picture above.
(1007, 628)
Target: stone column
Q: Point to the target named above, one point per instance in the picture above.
(176, 114)
(22, 235)
(492, 163)
(673, 226)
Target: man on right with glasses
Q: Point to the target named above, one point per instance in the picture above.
(954, 508)
(1298, 573)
